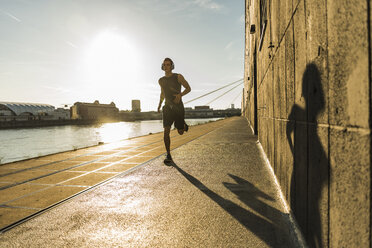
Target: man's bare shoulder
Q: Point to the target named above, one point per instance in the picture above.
(161, 80)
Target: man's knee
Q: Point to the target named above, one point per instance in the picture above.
(180, 131)
(167, 131)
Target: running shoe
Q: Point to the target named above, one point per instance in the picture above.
(168, 159)
(186, 127)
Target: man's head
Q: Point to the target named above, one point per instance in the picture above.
(167, 65)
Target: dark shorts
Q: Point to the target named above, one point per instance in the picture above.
(174, 113)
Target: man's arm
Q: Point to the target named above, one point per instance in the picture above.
(186, 85)
(161, 98)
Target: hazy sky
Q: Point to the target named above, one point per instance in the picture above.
(63, 51)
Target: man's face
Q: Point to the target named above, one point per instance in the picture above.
(167, 65)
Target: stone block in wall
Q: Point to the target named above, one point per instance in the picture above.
(316, 29)
(289, 139)
(270, 143)
(263, 58)
(288, 11)
(262, 132)
(269, 86)
(348, 63)
(350, 184)
(251, 109)
(315, 93)
(295, 3)
(289, 70)
(267, 54)
(300, 58)
(282, 82)
(280, 153)
(317, 55)
(266, 132)
(260, 68)
(318, 173)
(269, 138)
(282, 19)
(276, 84)
(284, 166)
(261, 95)
(277, 148)
(275, 23)
(281, 14)
(264, 105)
(299, 176)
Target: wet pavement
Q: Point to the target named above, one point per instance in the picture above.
(219, 193)
(31, 186)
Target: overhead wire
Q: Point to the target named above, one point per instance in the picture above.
(224, 93)
(214, 91)
(240, 92)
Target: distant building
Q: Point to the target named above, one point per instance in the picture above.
(94, 111)
(18, 111)
(199, 112)
(61, 114)
(136, 106)
(135, 116)
(207, 112)
(201, 107)
(227, 112)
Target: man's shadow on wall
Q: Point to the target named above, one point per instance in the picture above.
(310, 162)
(269, 229)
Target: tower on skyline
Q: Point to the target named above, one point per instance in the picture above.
(136, 106)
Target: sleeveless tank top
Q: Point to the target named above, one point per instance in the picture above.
(170, 86)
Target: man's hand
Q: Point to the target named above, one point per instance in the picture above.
(178, 98)
(161, 99)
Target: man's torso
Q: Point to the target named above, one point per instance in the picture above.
(170, 87)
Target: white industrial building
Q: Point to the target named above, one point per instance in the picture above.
(17, 111)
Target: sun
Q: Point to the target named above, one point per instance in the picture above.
(110, 61)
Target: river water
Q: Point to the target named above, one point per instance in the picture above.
(19, 144)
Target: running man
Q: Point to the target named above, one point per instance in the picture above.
(173, 110)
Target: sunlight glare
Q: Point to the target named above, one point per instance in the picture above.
(108, 132)
(110, 61)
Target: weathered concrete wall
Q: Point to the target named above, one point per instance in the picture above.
(314, 112)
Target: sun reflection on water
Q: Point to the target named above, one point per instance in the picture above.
(111, 132)
(18, 144)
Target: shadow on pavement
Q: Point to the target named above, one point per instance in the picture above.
(251, 196)
(268, 229)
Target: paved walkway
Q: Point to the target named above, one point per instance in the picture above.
(220, 194)
(31, 186)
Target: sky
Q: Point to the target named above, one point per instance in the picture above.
(60, 52)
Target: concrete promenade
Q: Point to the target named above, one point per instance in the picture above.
(220, 193)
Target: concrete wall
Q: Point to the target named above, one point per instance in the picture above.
(313, 112)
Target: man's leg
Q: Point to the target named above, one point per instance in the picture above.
(167, 139)
(180, 131)
(184, 129)
(167, 124)
(180, 123)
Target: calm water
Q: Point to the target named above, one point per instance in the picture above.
(18, 144)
